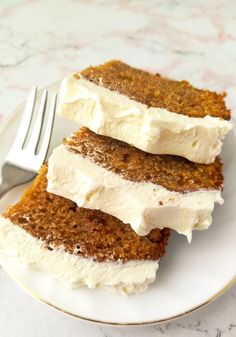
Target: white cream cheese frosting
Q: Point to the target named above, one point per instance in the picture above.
(143, 205)
(153, 130)
(74, 271)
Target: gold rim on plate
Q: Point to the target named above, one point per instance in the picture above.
(164, 320)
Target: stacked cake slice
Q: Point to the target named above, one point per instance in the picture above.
(155, 114)
(147, 191)
(79, 246)
(100, 213)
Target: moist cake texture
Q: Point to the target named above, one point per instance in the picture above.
(172, 172)
(157, 91)
(82, 232)
(155, 114)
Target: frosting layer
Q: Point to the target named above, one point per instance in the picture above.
(75, 271)
(143, 205)
(151, 129)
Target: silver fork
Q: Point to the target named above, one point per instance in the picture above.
(24, 160)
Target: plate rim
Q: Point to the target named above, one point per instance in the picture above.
(40, 299)
(231, 282)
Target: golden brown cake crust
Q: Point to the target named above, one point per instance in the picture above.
(83, 232)
(156, 91)
(172, 172)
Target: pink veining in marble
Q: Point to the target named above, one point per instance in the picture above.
(41, 42)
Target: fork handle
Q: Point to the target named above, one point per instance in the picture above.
(4, 188)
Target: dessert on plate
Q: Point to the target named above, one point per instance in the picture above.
(145, 190)
(79, 246)
(145, 161)
(153, 113)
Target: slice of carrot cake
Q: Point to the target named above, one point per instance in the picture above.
(155, 114)
(79, 246)
(139, 188)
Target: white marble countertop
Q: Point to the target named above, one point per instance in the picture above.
(41, 41)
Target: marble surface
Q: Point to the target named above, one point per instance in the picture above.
(42, 41)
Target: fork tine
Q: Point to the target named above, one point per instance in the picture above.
(26, 120)
(48, 131)
(35, 136)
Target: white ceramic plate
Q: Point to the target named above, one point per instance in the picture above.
(189, 275)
